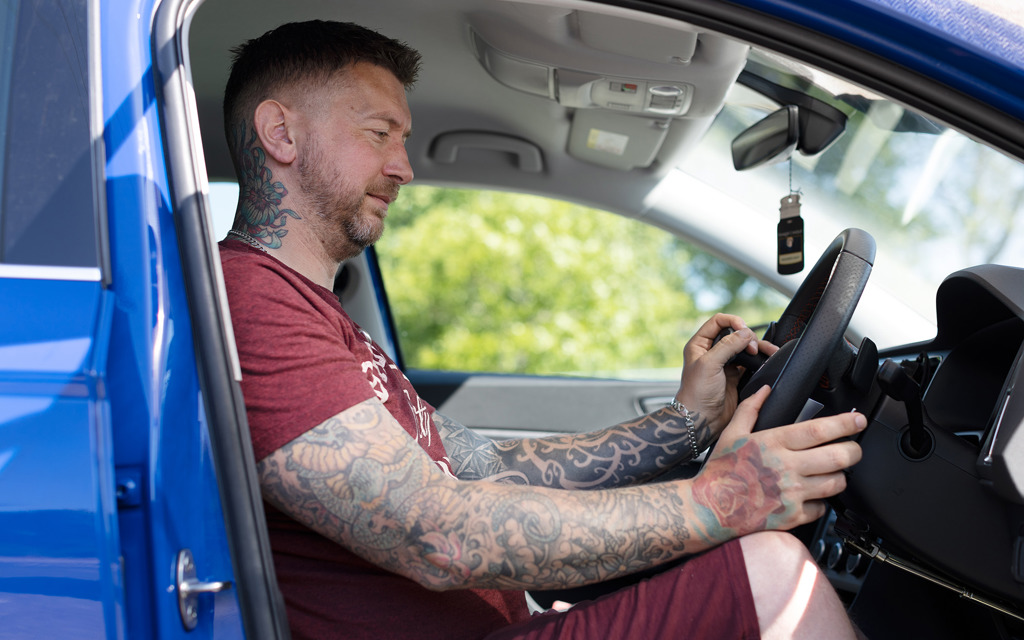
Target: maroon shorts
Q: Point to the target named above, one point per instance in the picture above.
(707, 597)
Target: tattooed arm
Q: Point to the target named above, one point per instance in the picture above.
(625, 454)
(628, 453)
(361, 481)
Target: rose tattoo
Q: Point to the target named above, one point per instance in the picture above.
(741, 492)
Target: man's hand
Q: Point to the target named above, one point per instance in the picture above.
(708, 385)
(777, 478)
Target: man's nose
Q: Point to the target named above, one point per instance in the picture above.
(398, 167)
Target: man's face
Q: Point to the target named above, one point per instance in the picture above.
(353, 159)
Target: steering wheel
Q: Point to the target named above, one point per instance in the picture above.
(810, 331)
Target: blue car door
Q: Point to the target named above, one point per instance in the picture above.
(60, 573)
(111, 521)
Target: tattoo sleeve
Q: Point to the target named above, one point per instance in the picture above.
(625, 454)
(360, 480)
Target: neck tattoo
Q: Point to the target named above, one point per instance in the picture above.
(248, 239)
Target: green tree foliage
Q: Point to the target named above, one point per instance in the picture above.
(487, 281)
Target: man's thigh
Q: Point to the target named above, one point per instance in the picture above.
(707, 597)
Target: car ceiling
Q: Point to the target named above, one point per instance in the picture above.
(457, 95)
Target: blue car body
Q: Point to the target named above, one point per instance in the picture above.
(106, 468)
(109, 468)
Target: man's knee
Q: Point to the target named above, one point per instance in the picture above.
(791, 595)
(774, 547)
(777, 558)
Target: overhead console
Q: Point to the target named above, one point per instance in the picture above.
(630, 80)
(581, 89)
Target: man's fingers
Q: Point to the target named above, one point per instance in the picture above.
(766, 347)
(813, 510)
(708, 331)
(746, 413)
(825, 486)
(829, 458)
(814, 433)
(703, 351)
(730, 345)
(721, 321)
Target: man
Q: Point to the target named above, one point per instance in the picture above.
(388, 519)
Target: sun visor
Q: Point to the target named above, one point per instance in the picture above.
(582, 89)
(511, 71)
(635, 39)
(616, 140)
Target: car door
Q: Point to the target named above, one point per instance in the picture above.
(109, 509)
(176, 561)
(60, 552)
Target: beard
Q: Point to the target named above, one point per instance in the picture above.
(347, 228)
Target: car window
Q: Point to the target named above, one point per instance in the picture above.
(47, 211)
(934, 199)
(508, 283)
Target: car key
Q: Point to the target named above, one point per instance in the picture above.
(791, 236)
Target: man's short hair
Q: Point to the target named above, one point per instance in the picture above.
(309, 53)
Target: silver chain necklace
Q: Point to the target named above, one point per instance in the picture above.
(249, 240)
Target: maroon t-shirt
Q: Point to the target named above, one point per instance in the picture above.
(304, 360)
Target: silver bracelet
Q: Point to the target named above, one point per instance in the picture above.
(681, 409)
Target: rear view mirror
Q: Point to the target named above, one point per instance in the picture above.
(772, 139)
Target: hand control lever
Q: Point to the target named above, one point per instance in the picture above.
(749, 361)
(898, 385)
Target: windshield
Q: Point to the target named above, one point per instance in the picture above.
(934, 200)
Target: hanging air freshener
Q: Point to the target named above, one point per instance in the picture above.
(791, 236)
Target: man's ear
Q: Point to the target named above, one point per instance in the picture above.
(273, 123)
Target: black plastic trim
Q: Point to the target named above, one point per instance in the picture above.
(388, 319)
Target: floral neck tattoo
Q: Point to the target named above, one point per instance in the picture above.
(261, 196)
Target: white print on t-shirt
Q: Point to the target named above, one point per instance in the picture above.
(375, 367)
(419, 409)
(446, 466)
(376, 383)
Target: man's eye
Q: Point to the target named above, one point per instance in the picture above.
(381, 134)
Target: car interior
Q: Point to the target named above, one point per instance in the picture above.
(620, 109)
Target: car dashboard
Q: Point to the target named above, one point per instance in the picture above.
(938, 493)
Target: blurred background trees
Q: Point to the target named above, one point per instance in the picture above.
(501, 282)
